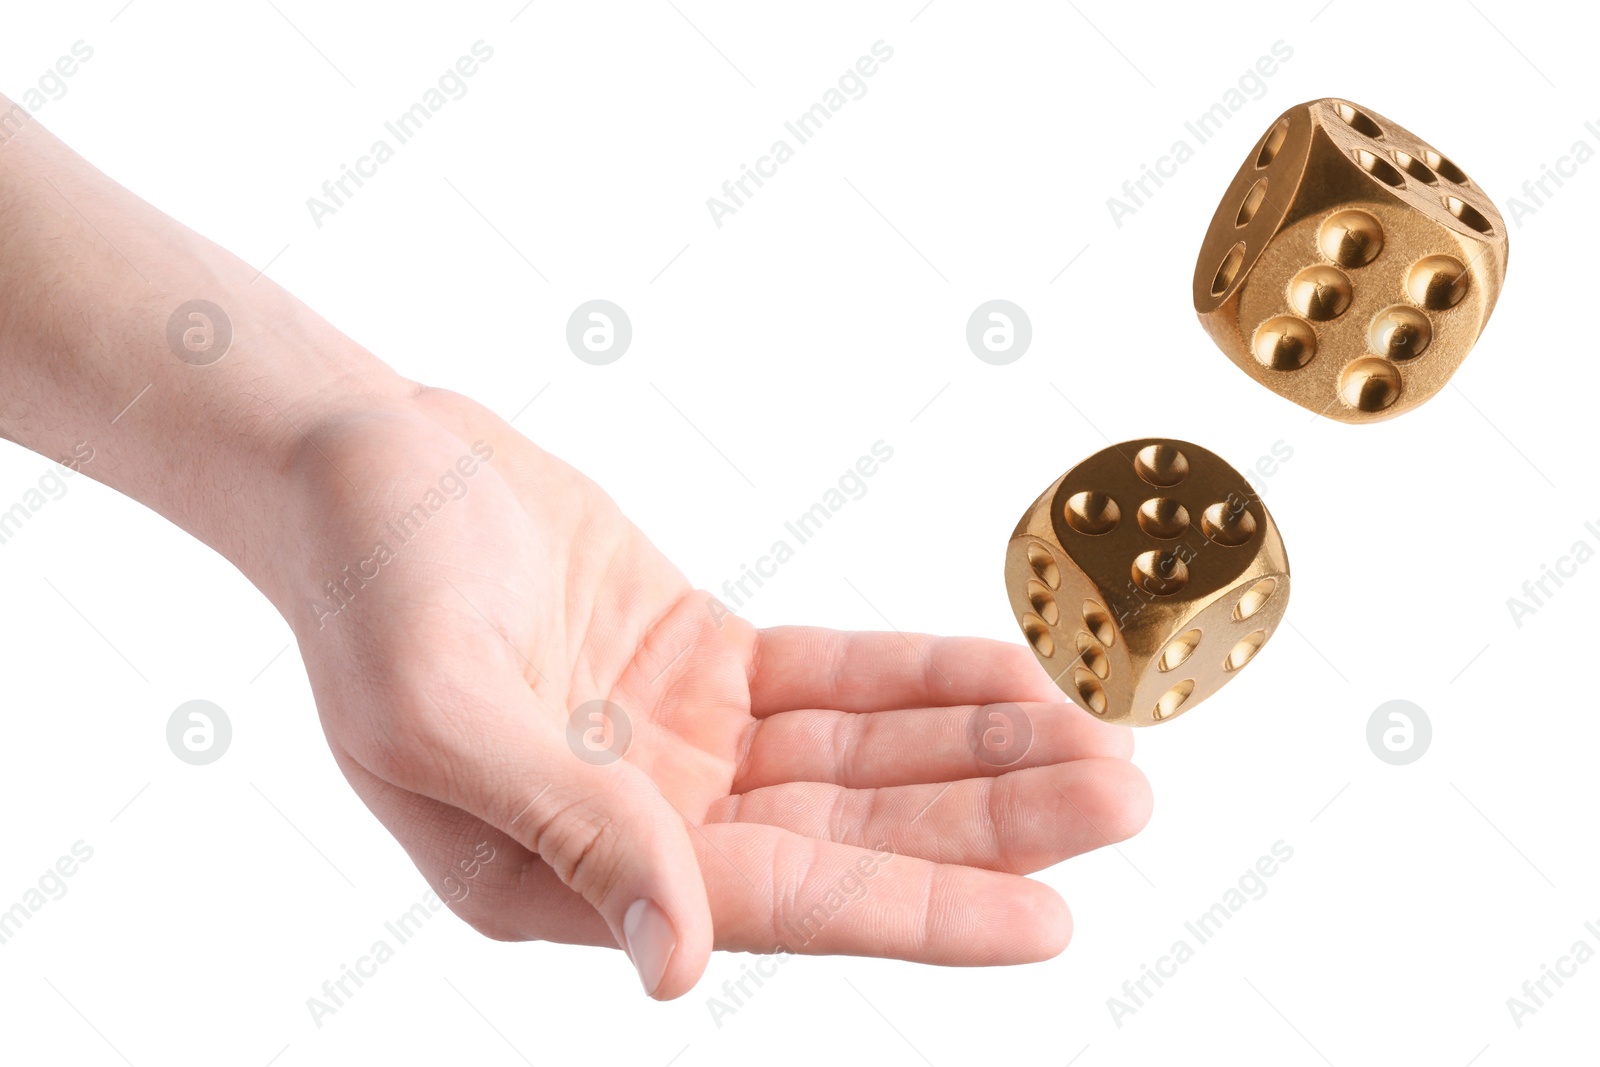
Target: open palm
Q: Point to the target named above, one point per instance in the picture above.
(578, 746)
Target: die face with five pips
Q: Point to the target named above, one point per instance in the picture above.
(1350, 266)
(1145, 578)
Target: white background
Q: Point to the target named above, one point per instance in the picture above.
(827, 314)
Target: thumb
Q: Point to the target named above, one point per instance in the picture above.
(605, 828)
(557, 783)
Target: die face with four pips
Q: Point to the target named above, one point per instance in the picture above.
(1350, 267)
(1145, 578)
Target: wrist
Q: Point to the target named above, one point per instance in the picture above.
(269, 468)
(215, 436)
(163, 365)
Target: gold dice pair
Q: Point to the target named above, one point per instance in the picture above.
(1349, 268)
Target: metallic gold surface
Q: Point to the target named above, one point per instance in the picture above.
(1145, 578)
(1350, 267)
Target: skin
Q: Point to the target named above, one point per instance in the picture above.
(768, 772)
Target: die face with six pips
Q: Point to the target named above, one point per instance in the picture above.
(1350, 266)
(1145, 578)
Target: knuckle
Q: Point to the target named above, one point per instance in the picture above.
(583, 847)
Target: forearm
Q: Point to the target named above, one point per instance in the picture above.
(90, 276)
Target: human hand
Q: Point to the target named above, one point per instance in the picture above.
(483, 590)
(789, 789)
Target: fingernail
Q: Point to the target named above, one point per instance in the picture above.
(651, 942)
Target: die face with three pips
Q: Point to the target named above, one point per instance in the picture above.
(1350, 266)
(1145, 578)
